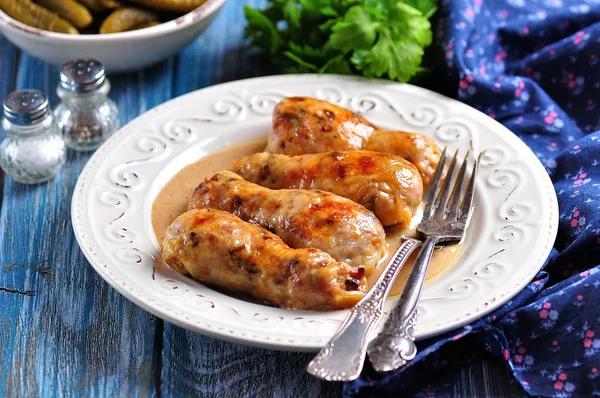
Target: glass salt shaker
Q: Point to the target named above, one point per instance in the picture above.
(86, 116)
(33, 150)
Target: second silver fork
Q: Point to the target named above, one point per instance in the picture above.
(343, 357)
(447, 214)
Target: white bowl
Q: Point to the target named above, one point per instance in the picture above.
(119, 52)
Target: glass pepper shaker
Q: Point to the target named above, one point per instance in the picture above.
(33, 150)
(86, 116)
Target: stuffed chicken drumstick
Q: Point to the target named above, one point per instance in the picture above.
(308, 125)
(219, 248)
(302, 218)
(386, 184)
(304, 125)
(418, 149)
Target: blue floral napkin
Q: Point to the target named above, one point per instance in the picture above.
(533, 65)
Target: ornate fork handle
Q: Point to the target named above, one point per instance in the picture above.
(395, 346)
(343, 357)
(445, 218)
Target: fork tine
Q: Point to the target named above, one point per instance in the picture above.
(454, 205)
(465, 207)
(442, 200)
(434, 183)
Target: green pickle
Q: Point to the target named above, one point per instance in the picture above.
(144, 25)
(66, 16)
(31, 14)
(126, 18)
(70, 10)
(100, 5)
(171, 5)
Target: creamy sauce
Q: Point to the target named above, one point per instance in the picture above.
(173, 198)
(442, 259)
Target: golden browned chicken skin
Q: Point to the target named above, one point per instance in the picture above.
(301, 218)
(304, 125)
(308, 125)
(418, 149)
(219, 248)
(386, 184)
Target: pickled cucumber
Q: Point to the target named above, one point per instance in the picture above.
(31, 14)
(65, 16)
(126, 18)
(70, 10)
(144, 25)
(171, 5)
(100, 5)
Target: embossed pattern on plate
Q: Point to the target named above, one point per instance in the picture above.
(512, 231)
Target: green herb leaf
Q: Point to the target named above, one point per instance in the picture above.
(262, 30)
(399, 59)
(338, 65)
(399, 50)
(300, 61)
(408, 22)
(425, 7)
(307, 51)
(326, 26)
(323, 7)
(379, 38)
(291, 10)
(357, 30)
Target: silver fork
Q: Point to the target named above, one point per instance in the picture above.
(447, 214)
(343, 357)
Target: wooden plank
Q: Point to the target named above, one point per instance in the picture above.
(64, 331)
(196, 365)
(7, 82)
(10, 56)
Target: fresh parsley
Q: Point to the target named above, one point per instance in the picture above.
(375, 38)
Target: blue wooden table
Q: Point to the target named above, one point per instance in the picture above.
(65, 332)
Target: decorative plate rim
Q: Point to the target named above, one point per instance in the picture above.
(265, 337)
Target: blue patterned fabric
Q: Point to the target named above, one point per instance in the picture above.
(533, 65)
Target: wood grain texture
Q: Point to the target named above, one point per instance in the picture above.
(9, 57)
(65, 332)
(200, 366)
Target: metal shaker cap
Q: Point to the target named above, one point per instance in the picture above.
(82, 75)
(25, 107)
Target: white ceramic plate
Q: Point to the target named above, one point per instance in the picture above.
(512, 232)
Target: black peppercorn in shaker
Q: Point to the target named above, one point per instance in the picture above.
(86, 116)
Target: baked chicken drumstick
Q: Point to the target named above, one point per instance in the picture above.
(304, 125)
(386, 184)
(301, 218)
(219, 248)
